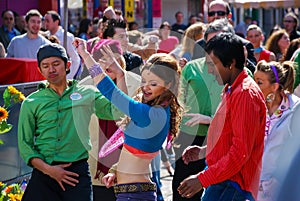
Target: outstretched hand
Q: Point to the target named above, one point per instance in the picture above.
(109, 61)
(197, 118)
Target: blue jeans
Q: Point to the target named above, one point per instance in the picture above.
(224, 191)
(137, 196)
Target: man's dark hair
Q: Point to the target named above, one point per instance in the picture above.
(110, 25)
(8, 10)
(177, 13)
(32, 13)
(219, 25)
(227, 47)
(55, 16)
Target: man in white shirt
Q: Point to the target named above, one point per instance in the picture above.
(52, 24)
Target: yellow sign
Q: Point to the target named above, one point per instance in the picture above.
(111, 3)
(129, 10)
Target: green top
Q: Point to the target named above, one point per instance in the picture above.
(297, 69)
(201, 93)
(56, 128)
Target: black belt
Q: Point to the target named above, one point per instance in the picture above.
(73, 163)
(134, 187)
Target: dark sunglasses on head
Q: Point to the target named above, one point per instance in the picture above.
(219, 13)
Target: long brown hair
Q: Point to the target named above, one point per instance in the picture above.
(164, 66)
(272, 42)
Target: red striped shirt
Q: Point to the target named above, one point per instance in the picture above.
(236, 136)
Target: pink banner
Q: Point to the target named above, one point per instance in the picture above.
(156, 8)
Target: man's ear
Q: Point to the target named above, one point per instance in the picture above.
(68, 66)
(229, 16)
(233, 63)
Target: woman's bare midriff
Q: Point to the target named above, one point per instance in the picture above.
(132, 168)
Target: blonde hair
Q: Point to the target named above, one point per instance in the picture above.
(191, 35)
(254, 27)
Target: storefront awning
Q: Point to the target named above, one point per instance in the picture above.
(265, 3)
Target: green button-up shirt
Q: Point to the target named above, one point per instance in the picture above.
(56, 128)
(201, 93)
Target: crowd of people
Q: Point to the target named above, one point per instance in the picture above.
(220, 99)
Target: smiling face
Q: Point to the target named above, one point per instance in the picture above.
(255, 37)
(34, 25)
(263, 81)
(217, 10)
(54, 70)
(284, 42)
(152, 86)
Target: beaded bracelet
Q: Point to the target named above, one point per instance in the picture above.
(95, 70)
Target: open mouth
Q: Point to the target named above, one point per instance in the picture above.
(147, 94)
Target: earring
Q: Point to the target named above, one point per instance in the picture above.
(270, 97)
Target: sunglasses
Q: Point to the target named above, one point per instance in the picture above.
(8, 18)
(288, 21)
(219, 13)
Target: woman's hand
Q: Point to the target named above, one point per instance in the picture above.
(109, 61)
(182, 62)
(109, 179)
(193, 153)
(80, 46)
(94, 68)
(197, 119)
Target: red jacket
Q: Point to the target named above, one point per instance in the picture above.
(236, 136)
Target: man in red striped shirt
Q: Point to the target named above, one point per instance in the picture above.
(236, 134)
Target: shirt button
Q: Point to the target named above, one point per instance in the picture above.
(58, 139)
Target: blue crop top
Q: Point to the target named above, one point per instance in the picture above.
(149, 125)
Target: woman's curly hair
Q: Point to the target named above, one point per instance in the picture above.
(166, 67)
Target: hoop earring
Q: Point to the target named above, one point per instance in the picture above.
(270, 97)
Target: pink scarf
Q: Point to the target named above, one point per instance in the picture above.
(116, 140)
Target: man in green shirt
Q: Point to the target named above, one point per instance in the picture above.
(53, 135)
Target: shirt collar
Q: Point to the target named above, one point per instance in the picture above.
(6, 30)
(229, 88)
(45, 84)
(285, 105)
